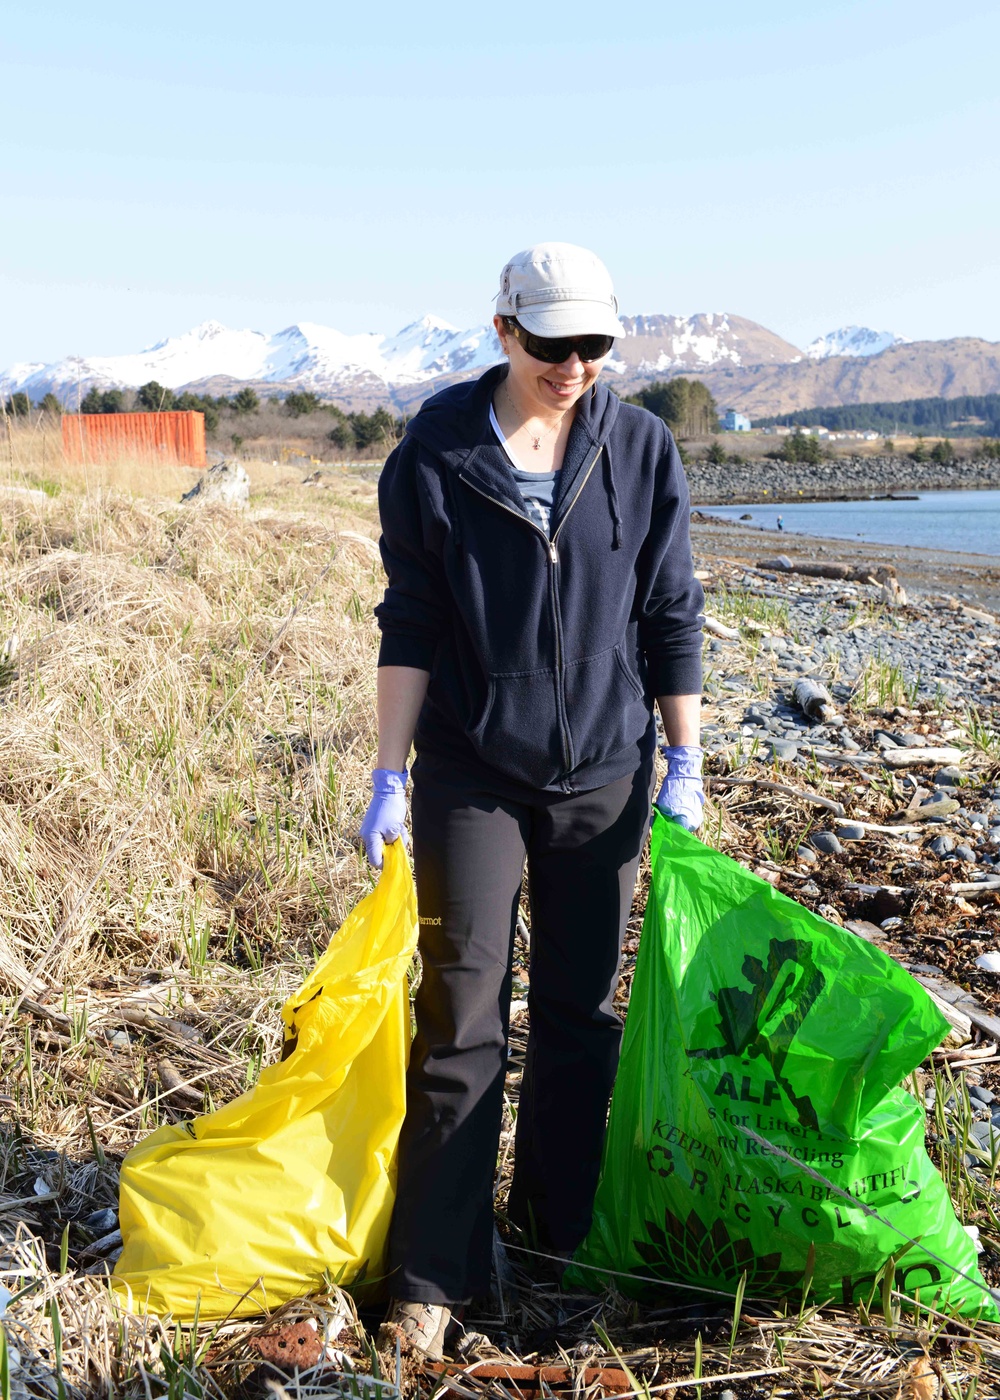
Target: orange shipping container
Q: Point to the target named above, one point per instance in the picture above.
(168, 437)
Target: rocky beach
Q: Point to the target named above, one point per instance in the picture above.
(839, 478)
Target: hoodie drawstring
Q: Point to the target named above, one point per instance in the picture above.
(451, 507)
(609, 484)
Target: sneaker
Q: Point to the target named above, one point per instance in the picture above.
(423, 1325)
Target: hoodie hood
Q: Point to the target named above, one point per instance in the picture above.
(456, 422)
(455, 426)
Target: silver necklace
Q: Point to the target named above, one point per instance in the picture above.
(536, 442)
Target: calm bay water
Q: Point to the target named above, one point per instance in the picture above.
(968, 521)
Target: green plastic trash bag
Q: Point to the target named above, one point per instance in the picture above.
(756, 1119)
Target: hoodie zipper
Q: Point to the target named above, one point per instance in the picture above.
(551, 547)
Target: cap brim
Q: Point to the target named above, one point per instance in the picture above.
(570, 318)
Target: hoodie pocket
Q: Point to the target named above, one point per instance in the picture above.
(518, 730)
(606, 706)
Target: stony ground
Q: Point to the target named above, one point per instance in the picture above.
(763, 479)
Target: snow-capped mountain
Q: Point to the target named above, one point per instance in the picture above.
(853, 341)
(305, 356)
(743, 363)
(310, 356)
(656, 345)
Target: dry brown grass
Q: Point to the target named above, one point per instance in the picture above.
(185, 728)
(185, 731)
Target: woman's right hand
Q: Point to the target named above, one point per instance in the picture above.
(385, 819)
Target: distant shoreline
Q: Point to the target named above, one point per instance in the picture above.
(766, 482)
(927, 572)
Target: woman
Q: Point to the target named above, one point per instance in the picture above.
(541, 596)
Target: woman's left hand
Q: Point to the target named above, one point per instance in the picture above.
(682, 795)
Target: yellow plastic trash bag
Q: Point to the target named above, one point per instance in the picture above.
(296, 1177)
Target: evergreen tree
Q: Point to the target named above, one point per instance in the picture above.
(943, 452)
(246, 401)
(685, 405)
(716, 454)
(51, 406)
(110, 401)
(342, 435)
(376, 429)
(18, 405)
(153, 398)
(301, 402)
(801, 447)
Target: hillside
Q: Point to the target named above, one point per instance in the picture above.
(919, 370)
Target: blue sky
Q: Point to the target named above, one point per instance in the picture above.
(807, 166)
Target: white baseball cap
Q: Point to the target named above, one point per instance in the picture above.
(557, 289)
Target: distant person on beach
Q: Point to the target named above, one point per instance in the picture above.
(541, 599)
(781, 522)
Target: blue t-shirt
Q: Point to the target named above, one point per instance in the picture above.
(538, 489)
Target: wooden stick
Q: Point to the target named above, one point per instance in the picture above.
(873, 826)
(975, 887)
(826, 802)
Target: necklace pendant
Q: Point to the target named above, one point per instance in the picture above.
(536, 444)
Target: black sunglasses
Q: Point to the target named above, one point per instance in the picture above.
(553, 350)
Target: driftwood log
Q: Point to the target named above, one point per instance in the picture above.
(849, 573)
(814, 700)
(912, 758)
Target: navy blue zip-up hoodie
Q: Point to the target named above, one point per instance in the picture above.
(545, 655)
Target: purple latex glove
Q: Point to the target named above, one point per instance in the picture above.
(682, 795)
(385, 819)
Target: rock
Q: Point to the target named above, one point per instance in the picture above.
(826, 843)
(28, 494)
(807, 854)
(987, 1136)
(224, 484)
(964, 852)
(981, 1094)
(851, 831)
(869, 932)
(942, 845)
(949, 777)
(912, 741)
(784, 749)
(934, 807)
(891, 923)
(100, 1222)
(989, 962)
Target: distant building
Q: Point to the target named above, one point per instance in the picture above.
(734, 422)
